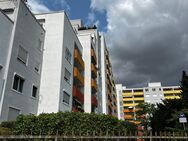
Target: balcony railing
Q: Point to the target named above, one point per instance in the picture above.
(94, 84)
(78, 95)
(78, 76)
(93, 56)
(94, 101)
(78, 58)
(94, 70)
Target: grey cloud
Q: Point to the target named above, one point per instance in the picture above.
(148, 40)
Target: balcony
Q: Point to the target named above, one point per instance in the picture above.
(94, 85)
(94, 70)
(77, 109)
(78, 95)
(94, 101)
(93, 56)
(78, 76)
(128, 116)
(78, 58)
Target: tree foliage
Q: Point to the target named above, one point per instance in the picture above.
(70, 123)
(145, 112)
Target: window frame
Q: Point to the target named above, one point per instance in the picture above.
(20, 59)
(67, 103)
(21, 77)
(32, 91)
(68, 80)
(68, 55)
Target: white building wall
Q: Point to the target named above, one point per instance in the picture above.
(59, 36)
(86, 44)
(26, 33)
(153, 93)
(120, 108)
(103, 75)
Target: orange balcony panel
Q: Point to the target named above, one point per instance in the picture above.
(94, 70)
(128, 117)
(78, 95)
(93, 56)
(94, 101)
(128, 111)
(94, 84)
(78, 76)
(78, 58)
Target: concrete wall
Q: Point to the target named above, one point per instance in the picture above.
(5, 35)
(26, 33)
(120, 108)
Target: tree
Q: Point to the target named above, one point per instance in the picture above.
(184, 86)
(144, 113)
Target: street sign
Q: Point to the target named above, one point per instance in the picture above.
(183, 120)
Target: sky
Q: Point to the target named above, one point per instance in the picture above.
(147, 39)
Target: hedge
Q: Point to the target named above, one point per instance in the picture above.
(70, 123)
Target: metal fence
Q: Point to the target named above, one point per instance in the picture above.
(160, 137)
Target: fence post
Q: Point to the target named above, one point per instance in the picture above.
(150, 138)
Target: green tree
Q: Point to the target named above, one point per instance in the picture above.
(184, 86)
(145, 112)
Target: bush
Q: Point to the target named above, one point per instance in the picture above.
(5, 131)
(71, 123)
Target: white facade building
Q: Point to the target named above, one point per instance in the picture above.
(120, 109)
(56, 92)
(21, 41)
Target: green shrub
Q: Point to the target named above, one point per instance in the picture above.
(5, 131)
(71, 123)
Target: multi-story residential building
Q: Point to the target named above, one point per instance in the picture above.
(154, 94)
(89, 38)
(62, 79)
(21, 52)
(109, 98)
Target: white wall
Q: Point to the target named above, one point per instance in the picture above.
(27, 33)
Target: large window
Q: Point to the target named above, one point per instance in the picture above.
(68, 55)
(34, 91)
(66, 97)
(18, 83)
(22, 55)
(67, 76)
(13, 113)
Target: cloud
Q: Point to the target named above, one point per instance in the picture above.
(147, 39)
(37, 7)
(42, 6)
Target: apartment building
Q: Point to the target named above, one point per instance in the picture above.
(21, 52)
(109, 98)
(89, 39)
(154, 93)
(62, 78)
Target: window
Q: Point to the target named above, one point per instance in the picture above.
(40, 45)
(34, 91)
(18, 83)
(68, 55)
(66, 97)
(153, 89)
(13, 113)
(146, 90)
(67, 76)
(22, 55)
(37, 67)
